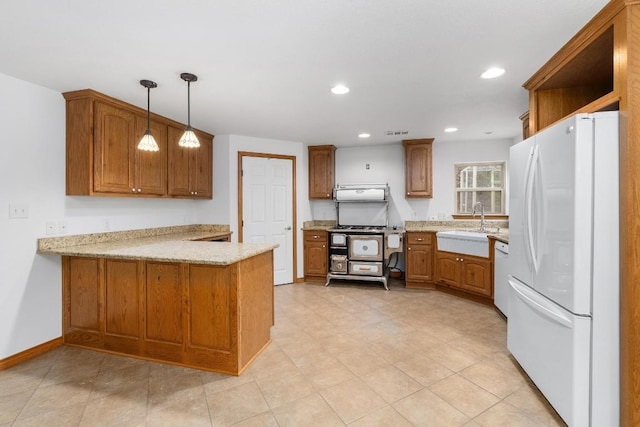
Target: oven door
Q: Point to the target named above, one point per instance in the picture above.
(365, 247)
(338, 240)
(338, 264)
(365, 268)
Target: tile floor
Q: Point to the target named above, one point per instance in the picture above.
(343, 355)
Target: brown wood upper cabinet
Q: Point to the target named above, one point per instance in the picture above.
(119, 167)
(524, 118)
(190, 169)
(151, 170)
(417, 167)
(322, 163)
(114, 132)
(102, 155)
(584, 76)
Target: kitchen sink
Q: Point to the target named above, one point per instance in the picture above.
(464, 242)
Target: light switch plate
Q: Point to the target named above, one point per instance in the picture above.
(51, 228)
(18, 210)
(62, 227)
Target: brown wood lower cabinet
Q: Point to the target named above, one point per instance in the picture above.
(315, 255)
(122, 298)
(419, 260)
(464, 272)
(214, 317)
(428, 268)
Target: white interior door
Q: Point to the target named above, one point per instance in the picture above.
(267, 205)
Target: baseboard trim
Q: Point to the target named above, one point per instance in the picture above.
(30, 353)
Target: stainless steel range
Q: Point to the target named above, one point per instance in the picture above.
(361, 252)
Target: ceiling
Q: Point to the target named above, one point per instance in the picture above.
(265, 68)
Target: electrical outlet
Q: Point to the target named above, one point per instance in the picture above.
(62, 227)
(51, 228)
(18, 211)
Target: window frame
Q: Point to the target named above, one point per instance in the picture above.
(501, 189)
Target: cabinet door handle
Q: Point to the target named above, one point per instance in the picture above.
(133, 190)
(408, 193)
(409, 248)
(419, 239)
(324, 246)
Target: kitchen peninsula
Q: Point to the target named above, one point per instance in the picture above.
(171, 294)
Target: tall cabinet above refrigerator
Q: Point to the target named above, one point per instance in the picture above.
(563, 325)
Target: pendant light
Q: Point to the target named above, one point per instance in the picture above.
(148, 142)
(189, 138)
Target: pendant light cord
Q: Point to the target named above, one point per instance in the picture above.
(148, 109)
(188, 105)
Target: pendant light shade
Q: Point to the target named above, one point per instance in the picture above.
(189, 138)
(148, 142)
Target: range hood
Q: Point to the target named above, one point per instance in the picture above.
(361, 192)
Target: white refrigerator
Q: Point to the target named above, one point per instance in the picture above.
(563, 326)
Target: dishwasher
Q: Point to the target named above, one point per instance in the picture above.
(500, 273)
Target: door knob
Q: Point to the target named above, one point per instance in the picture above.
(288, 228)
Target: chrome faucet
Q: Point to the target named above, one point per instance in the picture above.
(482, 221)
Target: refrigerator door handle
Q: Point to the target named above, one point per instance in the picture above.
(525, 213)
(540, 305)
(531, 173)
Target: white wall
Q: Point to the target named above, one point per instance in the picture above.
(217, 210)
(386, 164)
(226, 150)
(32, 172)
(445, 154)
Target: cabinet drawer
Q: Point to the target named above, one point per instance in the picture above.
(419, 238)
(315, 236)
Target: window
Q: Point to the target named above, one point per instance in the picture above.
(480, 182)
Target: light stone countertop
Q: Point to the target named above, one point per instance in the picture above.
(319, 224)
(498, 230)
(169, 244)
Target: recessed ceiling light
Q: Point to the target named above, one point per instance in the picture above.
(492, 73)
(364, 135)
(340, 89)
(449, 130)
